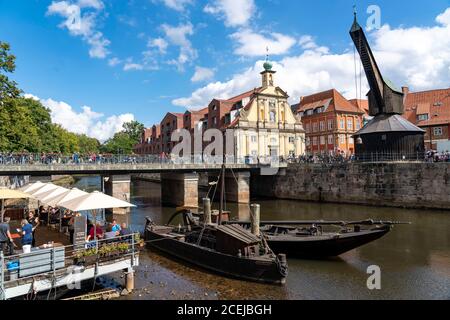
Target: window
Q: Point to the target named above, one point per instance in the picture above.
(291, 139)
(322, 140)
(437, 131)
(308, 141)
(214, 119)
(358, 124)
(322, 125)
(214, 107)
(330, 125)
(351, 140)
(342, 124)
(350, 124)
(273, 141)
(342, 139)
(308, 128)
(315, 127)
(254, 139)
(315, 141)
(330, 140)
(309, 112)
(422, 117)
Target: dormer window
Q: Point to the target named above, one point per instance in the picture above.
(422, 117)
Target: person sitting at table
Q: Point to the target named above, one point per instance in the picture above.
(115, 227)
(98, 230)
(27, 236)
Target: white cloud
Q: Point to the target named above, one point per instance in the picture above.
(178, 5)
(158, 43)
(130, 66)
(82, 24)
(417, 57)
(87, 121)
(235, 12)
(202, 74)
(178, 36)
(444, 18)
(254, 44)
(114, 62)
(96, 4)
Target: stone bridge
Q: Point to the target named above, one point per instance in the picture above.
(179, 182)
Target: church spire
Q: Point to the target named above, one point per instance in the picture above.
(267, 65)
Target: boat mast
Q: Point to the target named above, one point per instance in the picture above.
(222, 194)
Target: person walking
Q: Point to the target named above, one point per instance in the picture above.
(6, 241)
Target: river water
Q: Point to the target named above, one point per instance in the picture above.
(414, 259)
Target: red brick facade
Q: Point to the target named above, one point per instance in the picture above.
(330, 121)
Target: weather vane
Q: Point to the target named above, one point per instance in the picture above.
(267, 53)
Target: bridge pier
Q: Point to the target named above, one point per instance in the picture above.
(118, 186)
(43, 179)
(237, 187)
(179, 189)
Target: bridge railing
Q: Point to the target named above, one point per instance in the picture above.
(25, 159)
(65, 260)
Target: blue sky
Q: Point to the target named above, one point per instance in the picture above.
(138, 58)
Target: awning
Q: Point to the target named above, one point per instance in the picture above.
(48, 187)
(33, 187)
(66, 196)
(94, 201)
(44, 196)
(10, 194)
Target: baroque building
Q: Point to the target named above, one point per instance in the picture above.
(263, 122)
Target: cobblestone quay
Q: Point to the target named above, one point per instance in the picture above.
(408, 185)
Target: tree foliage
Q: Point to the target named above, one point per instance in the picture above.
(8, 88)
(123, 142)
(26, 125)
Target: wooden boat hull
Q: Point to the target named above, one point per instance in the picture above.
(252, 269)
(316, 247)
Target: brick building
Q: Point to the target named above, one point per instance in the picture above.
(144, 146)
(170, 123)
(330, 120)
(430, 110)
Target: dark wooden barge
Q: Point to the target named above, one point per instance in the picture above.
(228, 250)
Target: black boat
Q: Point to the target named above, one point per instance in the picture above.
(308, 240)
(229, 250)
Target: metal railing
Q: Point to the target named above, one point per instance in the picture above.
(374, 157)
(18, 159)
(90, 254)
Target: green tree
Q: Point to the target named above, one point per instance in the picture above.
(8, 88)
(134, 130)
(121, 143)
(124, 141)
(87, 144)
(17, 128)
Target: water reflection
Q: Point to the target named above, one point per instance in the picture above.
(414, 259)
